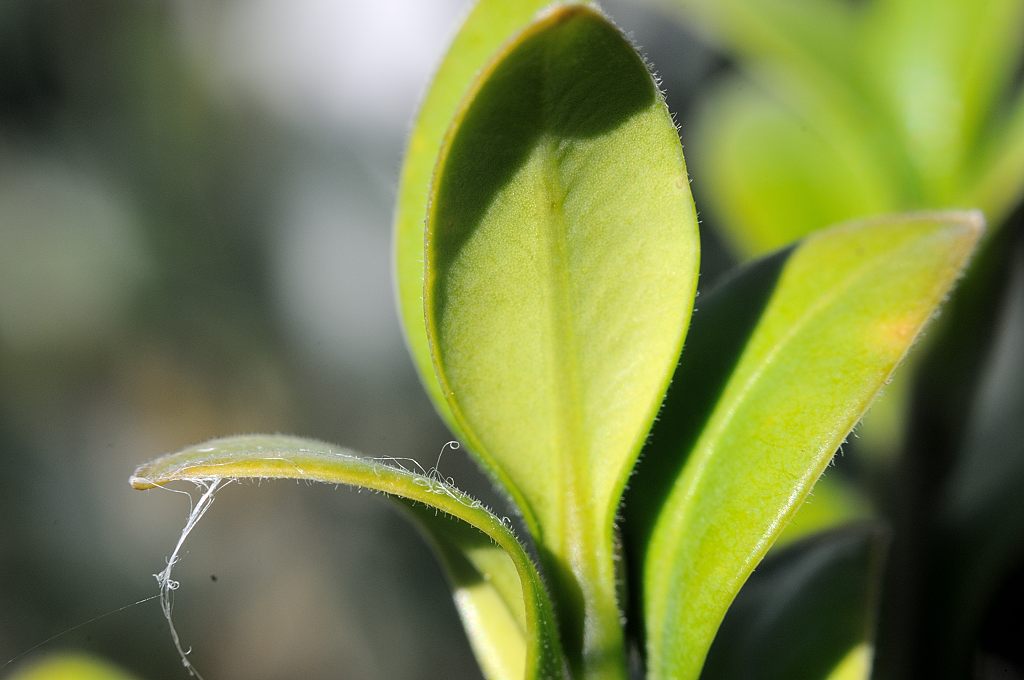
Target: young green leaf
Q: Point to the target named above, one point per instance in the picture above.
(485, 30)
(781, 363)
(561, 268)
(807, 612)
(457, 532)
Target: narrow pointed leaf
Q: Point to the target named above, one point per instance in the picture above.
(490, 24)
(781, 363)
(807, 612)
(561, 267)
(458, 531)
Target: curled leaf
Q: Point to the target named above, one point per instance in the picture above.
(458, 530)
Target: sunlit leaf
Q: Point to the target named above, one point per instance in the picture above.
(807, 612)
(561, 267)
(781, 363)
(490, 24)
(462, 532)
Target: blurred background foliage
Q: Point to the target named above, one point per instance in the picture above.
(195, 209)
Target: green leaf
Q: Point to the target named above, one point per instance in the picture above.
(485, 30)
(561, 267)
(895, 105)
(463, 532)
(807, 612)
(773, 175)
(71, 667)
(806, 85)
(940, 68)
(781, 363)
(490, 24)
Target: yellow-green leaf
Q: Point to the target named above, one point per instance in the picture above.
(781, 363)
(70, 667)
(463, 532)
(490, 24)
(561, 268)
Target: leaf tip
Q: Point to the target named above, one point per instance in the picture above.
(140, 480)
(968, 225)
(563, 11)
(972, 222)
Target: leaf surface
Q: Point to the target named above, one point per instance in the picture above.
(561, 268)
(781, 363)
(490, 24)
(807, 612)
(463, 532)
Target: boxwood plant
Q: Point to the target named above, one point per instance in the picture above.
(547, 258)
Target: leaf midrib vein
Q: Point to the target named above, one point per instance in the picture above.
(569, 442)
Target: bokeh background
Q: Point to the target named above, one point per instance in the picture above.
(195, 225)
